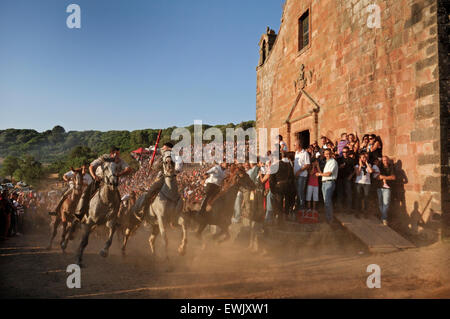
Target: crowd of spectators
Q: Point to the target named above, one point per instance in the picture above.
(21, 210)
(350, 175)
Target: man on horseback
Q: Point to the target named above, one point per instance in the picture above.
(68, 177)
(95, 171)
(147, 197)
(213, 183)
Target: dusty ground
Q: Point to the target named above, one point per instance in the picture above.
(331, 266)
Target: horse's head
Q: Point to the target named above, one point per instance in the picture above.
(239, 177)
(244, 180)
(77, 178)
(110, 173)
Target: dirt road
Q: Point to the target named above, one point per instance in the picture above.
(327, 269)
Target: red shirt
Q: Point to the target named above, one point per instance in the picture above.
(313, 180)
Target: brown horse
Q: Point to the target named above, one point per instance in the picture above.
(66, 214)
(221, 208)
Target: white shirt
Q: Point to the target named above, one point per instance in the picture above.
(87, 179)
(365, 179)
(216, 175)
(69, 175)
(301, 159)
(330, 166)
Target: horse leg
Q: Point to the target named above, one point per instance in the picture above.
(151, 240)
(105, 250)
(182, 247)
(63, 235)
(126, 235)
(200, 229)
(73, 228)
(162, 231)
(225, 231)
(65, 239)
(217, 235)
(55, 231)
(70, 233)
(198, 234)
(86, 230)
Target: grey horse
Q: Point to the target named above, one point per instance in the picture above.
(103, 209)
(167, 208)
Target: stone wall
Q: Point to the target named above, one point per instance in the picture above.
(366, 80)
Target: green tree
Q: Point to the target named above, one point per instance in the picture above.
(10, 164)
(30, 171)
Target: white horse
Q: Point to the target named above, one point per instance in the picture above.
(103, 208)
(167, 208)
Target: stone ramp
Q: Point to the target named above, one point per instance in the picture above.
(377, 237)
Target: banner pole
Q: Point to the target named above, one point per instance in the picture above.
(156, 147)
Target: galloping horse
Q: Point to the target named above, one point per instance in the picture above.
(128, 223)
(103, 209)
(65, 214)
(221, 209)
(166, 208)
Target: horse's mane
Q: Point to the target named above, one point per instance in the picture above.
(232, 177)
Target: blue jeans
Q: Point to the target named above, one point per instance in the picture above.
(269, 207)
(327, 191)
(384, 200)
(362, 193)
(301, 196)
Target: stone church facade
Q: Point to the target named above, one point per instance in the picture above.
(334, 68)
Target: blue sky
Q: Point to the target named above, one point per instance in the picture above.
(133, 64)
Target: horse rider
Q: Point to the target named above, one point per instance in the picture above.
(87, 178)
(95, 170)
(68, 177)
(213, 183)
(147, 197)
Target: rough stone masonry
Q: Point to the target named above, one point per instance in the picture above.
(344, 76)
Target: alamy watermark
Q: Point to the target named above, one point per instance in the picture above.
(74, 279)
(374, 279)
(74, 19)
(239, 145)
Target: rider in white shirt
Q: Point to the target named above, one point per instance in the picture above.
(68, 178)
(213, 183)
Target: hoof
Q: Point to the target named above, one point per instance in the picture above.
(103, 253)
(181, 251)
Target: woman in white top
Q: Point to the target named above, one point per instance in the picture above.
(363, 181)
